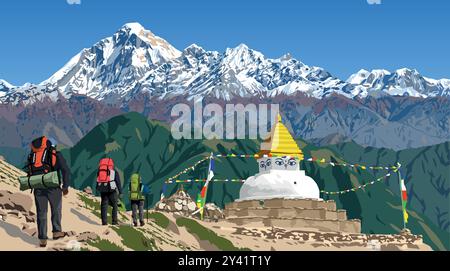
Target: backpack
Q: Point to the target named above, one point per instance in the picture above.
(42, 158)
(136, 187)
(106, 175)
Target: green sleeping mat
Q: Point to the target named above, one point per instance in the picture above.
(47, 180)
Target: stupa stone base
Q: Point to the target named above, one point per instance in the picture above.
(289, 212)
(307, 214)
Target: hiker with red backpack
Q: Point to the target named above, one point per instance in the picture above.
(110, 188)
(49, 167)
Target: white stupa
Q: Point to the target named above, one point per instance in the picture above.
(279, 170)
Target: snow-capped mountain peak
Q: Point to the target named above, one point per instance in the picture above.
(114, 65)
(358, 78)
(406, 72)
(404, 82)
(4, 87)
(241, 57)
(134, 27)
(157, 43)
(194, 50)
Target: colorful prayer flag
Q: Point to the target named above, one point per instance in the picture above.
(199, 201)
(163, 190)
(404, 200)
(205, 187)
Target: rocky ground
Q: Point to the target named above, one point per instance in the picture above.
(81, 220)
(173, 225)
(181, 204)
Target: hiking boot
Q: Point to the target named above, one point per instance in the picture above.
(104, 223)
(135, 223)
(115, 223)
(43, 243)
(59, 235)
(142, 223)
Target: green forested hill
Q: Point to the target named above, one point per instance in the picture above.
(426, 172)
(15, 156)
(139, 145)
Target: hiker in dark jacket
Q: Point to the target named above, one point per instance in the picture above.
(112, 199)
(41, 147)
(110, 188)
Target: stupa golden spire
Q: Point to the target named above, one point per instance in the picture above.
(280, 142)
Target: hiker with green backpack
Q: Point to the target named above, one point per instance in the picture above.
(137, 198)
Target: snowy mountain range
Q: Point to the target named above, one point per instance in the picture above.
(134, 60)
(134, 70)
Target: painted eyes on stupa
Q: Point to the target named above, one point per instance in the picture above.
(285, 162)
(279, 162)
(292, 162)
(268, 163)
(262, 164)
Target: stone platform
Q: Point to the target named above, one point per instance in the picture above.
(307, 214)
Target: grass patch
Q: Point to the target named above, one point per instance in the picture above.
(203, 233)
(89, 203)
(160, 219)
(104, 245)
(135, 239)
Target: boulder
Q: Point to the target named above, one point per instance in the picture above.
(3, 215)
(405, 231)
(191, 206)
(85, 236)
(15, 214)
(88, 190)
(73, 245)
(212, 212)
(178, 206)
(30, 218)
(179, 203)
(30, 231)
(15, 201)
(71, 233)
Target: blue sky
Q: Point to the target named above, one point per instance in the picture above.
(342, 36)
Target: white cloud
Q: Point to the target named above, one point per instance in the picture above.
(74, 2)
(374, 2)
